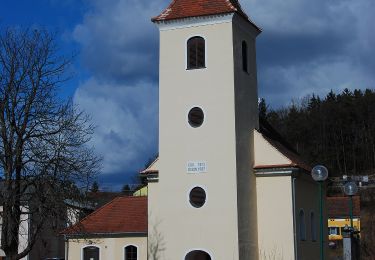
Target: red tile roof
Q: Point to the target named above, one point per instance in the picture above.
(339, 207)
(121, 215)
(192, 8)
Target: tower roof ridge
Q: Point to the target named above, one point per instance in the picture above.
(235, 5)
(179, 9)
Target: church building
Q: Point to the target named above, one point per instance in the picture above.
(225, 185)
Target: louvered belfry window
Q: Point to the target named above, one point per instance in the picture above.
(196, 53)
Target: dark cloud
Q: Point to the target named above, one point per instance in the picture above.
(126, 122)
(115, 181)
(119, 42)
(120, 49)
(279, 49)
(312, 47)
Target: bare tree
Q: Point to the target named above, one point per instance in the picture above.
(44, 157)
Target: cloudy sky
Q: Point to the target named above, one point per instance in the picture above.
(306, 47)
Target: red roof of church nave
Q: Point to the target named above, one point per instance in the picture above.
(192, 8)
(121, 215)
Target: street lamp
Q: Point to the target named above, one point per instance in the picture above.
(320, 173)
(350, 189)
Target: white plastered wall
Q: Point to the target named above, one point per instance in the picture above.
(246, 102)
(275, 218)
(276, 228)
(266, 154)
(228, 97)
(109, 248)
(212, 228)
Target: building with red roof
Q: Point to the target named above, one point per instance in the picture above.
(231, 177)
(114, 231)
(122, 215)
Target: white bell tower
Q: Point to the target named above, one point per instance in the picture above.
(203, 204)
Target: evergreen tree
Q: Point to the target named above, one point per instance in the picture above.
(337, 130)
(94, 187)
(126, 189)
(262, 108)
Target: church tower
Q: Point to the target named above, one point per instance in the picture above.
(202, 205)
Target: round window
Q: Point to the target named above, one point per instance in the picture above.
(197, 197)
(196, 117)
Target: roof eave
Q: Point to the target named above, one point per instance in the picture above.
(275, 171)
(158, 20)
(106, 234)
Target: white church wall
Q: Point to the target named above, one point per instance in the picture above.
(246, 117)
(275, 218)
(213, 227)
(266, 154)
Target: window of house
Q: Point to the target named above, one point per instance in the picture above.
(91, 253)
(244, 56)
(197, 255)
(333, 231)
(130, 253)
(342, 230)
(197, 197)
(313, 226)
(196, 53)
(302, 225)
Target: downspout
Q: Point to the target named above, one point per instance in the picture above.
(28, 231)
(66, 247)
(294, 216)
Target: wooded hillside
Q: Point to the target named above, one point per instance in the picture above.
(337, 130)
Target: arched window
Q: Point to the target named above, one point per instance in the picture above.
(302, 225)
(244, 56)
(313, 226)
(91, 253)
(130, 253)
(197, 255)
(196, 53)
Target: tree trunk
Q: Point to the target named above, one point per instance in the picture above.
(11, 220)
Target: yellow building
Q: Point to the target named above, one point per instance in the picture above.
(142, 191)
(339, 216)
